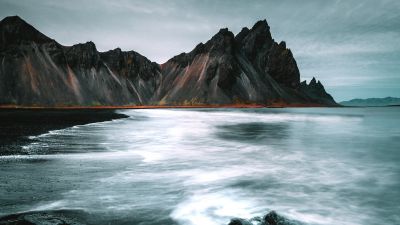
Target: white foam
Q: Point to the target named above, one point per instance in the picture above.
(212, 208)
(180, 149)
(51, 206)
(149, 157)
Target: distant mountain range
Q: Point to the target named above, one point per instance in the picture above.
(249, 68)
(372, 102)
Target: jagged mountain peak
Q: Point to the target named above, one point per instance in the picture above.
(222, 38)
(13, 20)
(224, 32)
(118, 49)
(89, 45)
(260, 30)
(119, 52)
(254, 40)
(242, 34)
(224, 41)
(313, 81)
(282, 44)
(86, 50)
(14, 30)
(82, 54)
(221, 42)
(261, 24)
(317, 92)
(267, 56)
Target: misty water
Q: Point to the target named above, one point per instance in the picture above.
(204, 167)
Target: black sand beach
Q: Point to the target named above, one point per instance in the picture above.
(16, 125)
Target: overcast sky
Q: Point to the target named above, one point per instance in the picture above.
(352, 46)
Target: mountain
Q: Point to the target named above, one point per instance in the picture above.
(36, 70)
(372, 102)
(249, 68)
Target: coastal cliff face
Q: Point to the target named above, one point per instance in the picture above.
(249, 68)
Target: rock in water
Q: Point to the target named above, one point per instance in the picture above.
(61, 217)
(238, 221)
(272, 218)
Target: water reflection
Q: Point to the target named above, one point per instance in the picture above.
(255, 132)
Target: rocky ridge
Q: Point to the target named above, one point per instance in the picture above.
(249, 68)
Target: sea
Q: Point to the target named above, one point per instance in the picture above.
(313, 166)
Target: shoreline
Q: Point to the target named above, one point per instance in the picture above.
(18, 124)
(275, 105)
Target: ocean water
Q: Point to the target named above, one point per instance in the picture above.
(318, 166)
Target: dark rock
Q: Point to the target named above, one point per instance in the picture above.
(60, 217)
(255, 44)
(267, 56)
(238, 221)
(272, 218)
(282, 66)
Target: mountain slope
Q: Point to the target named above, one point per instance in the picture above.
(36, 70)
(249, 68)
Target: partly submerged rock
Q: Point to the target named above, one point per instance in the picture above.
(272, 218)
(59, 217)
(239, 221)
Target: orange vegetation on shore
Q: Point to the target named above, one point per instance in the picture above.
(273, 105)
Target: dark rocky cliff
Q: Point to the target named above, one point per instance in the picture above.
(36, 70)
(249, 68)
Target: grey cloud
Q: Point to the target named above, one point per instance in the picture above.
(345, 43)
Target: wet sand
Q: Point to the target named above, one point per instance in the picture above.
(16, 125)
